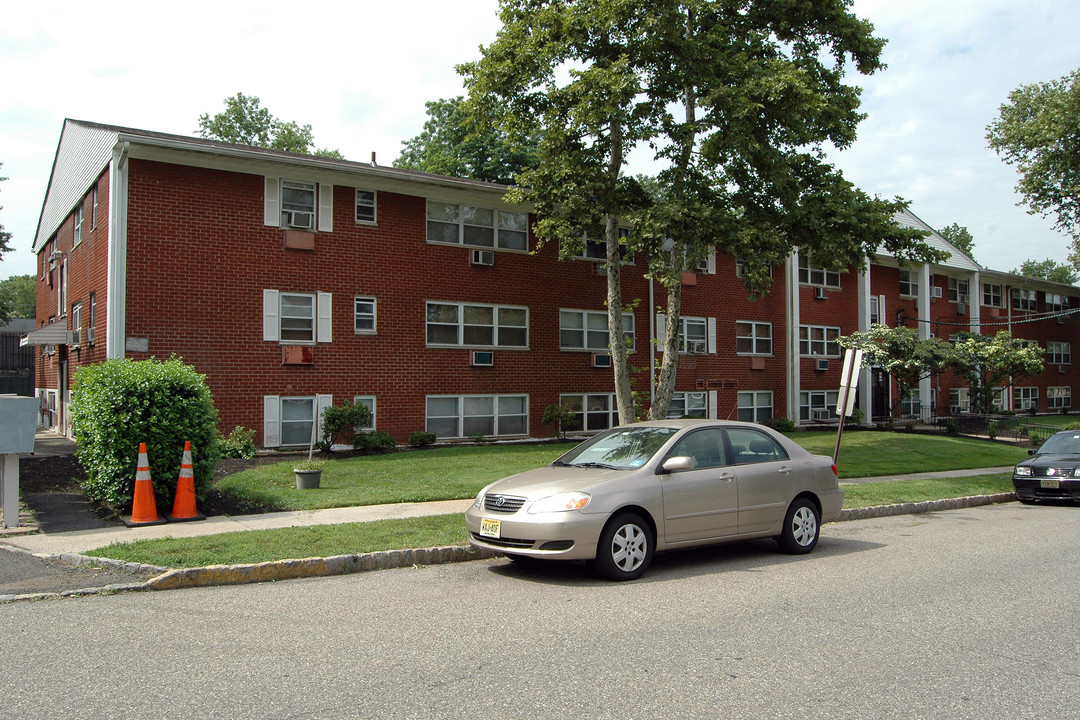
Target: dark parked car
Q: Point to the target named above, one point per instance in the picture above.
(1052, 472)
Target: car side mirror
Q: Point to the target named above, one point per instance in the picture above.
(681, 462)
(1031, 451)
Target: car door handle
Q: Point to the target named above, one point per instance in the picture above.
(784, 470)
(727, 477)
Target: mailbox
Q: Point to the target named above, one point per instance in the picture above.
(18, 422)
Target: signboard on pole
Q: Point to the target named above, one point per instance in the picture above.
(849, 382)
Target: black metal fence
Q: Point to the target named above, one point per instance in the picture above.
(1014, 428)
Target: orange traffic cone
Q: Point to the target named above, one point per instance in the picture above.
(183, 508)
(143, 507)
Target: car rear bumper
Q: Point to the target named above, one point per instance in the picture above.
(1032, 489)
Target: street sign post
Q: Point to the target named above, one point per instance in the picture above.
(849, 382)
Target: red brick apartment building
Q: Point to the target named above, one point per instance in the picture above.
(293, 282)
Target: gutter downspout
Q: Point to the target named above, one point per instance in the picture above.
(116, 273)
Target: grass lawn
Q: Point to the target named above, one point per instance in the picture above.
(903, 491)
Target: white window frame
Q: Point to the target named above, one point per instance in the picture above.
(959, 290)
(911, 403)
(462, 416)
(759, 333)
(1025, 300)
(750, 405)
(1058, 353)
(828, 341)
(367, 401)
(701, 341)
(591, 331)
(816, 276)
(1056, 302)
(810, 400)
(694, 403)
(364, 316)
(461, 325)
(610, 413)
(310, 339)
(909, 283)
(992, 295)
(504, 223)
(77, 218)
(365, 206)
(287, 212)
(742, 265)
(1025, 397)
(959, 400)
(1058, 397)
(94, 207)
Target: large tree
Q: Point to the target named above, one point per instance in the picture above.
(737, 103)
(454, 143)
(1048, 269)
(900, 352)
(989, 362)
(18, 297)
(959, 236)
(246, 123)
(1038, 131)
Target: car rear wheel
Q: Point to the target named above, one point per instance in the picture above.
(625, 549)
(802, 524)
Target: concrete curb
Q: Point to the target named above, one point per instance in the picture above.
(386, 559)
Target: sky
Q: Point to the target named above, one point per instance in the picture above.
(360, 72)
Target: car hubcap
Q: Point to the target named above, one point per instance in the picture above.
(804, 526)
(628, 547)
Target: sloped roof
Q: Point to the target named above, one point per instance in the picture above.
(957, 259)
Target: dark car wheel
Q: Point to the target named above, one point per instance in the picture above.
(802, 525)
(625, 549)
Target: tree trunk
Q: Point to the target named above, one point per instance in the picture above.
(624, 397)
(665, 383)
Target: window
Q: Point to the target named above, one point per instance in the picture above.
(592, 412)
(478, 227)
(477, 325)
(298, 204)
(815, 404)
(810, 275)
(297, 313)
(911, 404)
(1024, 299)
(909, 283)
(77, 222)
(875, 312)
(755, 405)
(76, 317)
(461, 416)
(991, 295)
(93, 315)
(297, 419)
(1059, 353)
(705, 447)
(365, 206)
(588, 330)
(364, 315)
(367, 401)
(1025, 398)
(998, 399)
(753, 446)
(93, 208)
(753, 338)
(693, 335)
(1059, 397)
(597, 249)
(742, 268)
(1056, 303)
(688, 404)
(818, 340)
(958, 290)
(959, 401)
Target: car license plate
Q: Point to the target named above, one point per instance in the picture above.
(490, 528)
(1049, 484)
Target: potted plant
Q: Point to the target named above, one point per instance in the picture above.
(308, 474)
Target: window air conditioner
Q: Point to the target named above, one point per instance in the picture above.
(935, 292)
(483, 358)
(696, 347)
(299, 219)
(822, 364)
(961, 309)
(820, 414)
(484, 258)
(821, 293)
(90, 336)
(75, 337)
(601, 360)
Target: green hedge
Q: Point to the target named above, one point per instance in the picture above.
(119, 403)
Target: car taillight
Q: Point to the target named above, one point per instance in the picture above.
(834, 471)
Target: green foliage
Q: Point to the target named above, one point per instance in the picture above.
(959, 236)
(1038, 131)
(239, 444)
(308, 465)
(118, 403)
(780, 424)
(5, 236)
(952, 427)
(1048, 269)
(458, 144)
(478, 437)
(18, 297)
(900, 352)
(340, 423)
(987, 362)
(245, 123)
(992, 430)
(420, 438)
(374, 441)
(559, 415)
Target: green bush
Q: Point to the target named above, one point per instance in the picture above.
(374, 441)
(118, 403)
(559, 415)
(952, 427)
(992, 430)
(239, 444)
(780, 424)
(419, 438)
(340, 424)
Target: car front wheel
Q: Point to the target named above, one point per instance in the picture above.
(625, 549)
(801, 528)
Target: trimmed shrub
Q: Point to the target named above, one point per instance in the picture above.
(780, 424)
(239, 444)
(419, 438)
(340, 423)
(559, 415)
(374, 441)
(118, 403)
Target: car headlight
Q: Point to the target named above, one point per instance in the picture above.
(561, 502)
(1022, 471)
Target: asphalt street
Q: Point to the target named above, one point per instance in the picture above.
(959, 614)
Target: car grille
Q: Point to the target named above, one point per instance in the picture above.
(503, 503)
(504, 542)
(1062, 473)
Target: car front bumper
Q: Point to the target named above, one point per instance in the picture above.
(1032, 488)
(562, 536)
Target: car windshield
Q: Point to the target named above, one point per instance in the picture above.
(1061, 444)
(620, 449)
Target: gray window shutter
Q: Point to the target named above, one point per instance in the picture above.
(323, 309)
(661, 323)
(321, 403)
(271, 421)
(326, 208)
(272, 202)
(711, 329)
(712, 405)
(271, 323)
